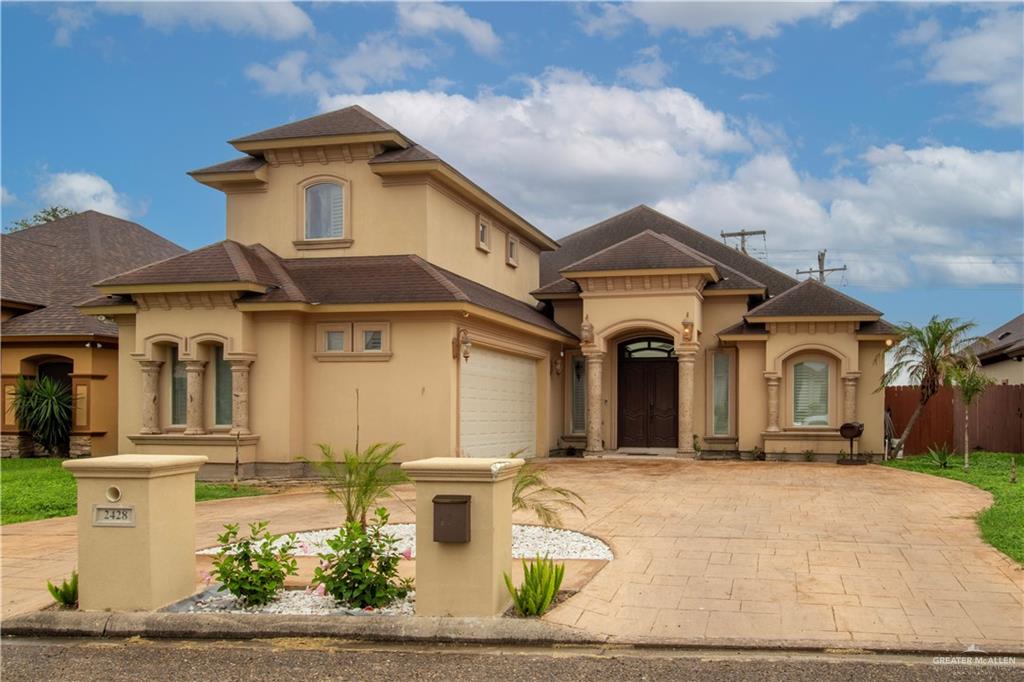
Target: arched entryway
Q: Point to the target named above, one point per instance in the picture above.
(648, 393)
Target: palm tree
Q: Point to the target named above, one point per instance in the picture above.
(358, 479)
(928, 356)
(531, 492)
(970, 383)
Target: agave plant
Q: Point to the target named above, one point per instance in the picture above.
(358, 479)
(531, 492)
(42, 407)
(541, 579)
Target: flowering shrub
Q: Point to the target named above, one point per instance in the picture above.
(361, 570)
(251, 569)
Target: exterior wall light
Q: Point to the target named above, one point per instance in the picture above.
(888, 343)
(462, 345)
(687, 329)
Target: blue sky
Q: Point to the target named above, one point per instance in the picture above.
(889, 134)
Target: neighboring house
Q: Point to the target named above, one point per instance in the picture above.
(45, 270)
(367, 291)
(1001, 352)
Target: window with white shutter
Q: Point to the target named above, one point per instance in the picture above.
(810, 393)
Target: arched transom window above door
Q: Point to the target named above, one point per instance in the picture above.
(648, 349)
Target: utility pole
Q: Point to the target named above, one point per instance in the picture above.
(821, 269)
(743, 234)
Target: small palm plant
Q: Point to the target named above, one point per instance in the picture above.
(358, 479)
(970, 383)
(42, 407)
(531, 492)
(541, 579)
(941, 455)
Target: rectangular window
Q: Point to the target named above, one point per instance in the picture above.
(335, 342)
(512, 251)
(325, 215)
(179, 389)
(810, 393)
(222, 388)
(720, 394)
(483, 234)
(372, 340)
(579, 395)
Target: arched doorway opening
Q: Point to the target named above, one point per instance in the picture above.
(648, 393)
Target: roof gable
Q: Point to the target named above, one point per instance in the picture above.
(226, 261)
(811, 298)
(1005, 340)
(608, 232)
(644, 251)
(352, 120)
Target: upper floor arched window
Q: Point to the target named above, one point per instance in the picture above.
(325, 211)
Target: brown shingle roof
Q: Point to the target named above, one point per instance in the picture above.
(877, 327)
(226, 261)
(353, 120)
(810, 298)
(743, 327)
(559, 286)
(636, 220)
(1004, 342)
(55, 263)
(416, 152)
(645, 251)
(244, 163)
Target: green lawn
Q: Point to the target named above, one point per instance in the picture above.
(1002, 524)
(32, 489)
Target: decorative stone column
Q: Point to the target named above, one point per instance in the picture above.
(850, 397)
(773, 401)
(240, 397)
(595, 402)
(687, 358)
(194, 371)
(150, 395)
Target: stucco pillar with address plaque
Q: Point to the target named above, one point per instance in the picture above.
(150, 395)
(194, 372)
(240, 397)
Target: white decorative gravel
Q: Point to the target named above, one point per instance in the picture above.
(527, 542)
(289, 602)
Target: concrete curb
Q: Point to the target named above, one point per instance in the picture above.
(414, 629)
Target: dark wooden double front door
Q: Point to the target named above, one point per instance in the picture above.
(648, 403)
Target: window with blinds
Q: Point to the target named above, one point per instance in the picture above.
(222, 388)
(810, 393)
(179, 389)
(325, 211)
(579, 395)
(720, 394)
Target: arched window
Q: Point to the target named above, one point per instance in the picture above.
(648, 348)
(811, 393)
(325, 211)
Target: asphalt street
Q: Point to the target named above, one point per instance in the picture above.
(320, 659)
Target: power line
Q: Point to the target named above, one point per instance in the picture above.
(743, 234)
(821, 269)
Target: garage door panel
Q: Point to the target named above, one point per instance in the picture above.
(497, 404)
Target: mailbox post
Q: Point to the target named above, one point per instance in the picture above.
(463, 534)
(136, 530)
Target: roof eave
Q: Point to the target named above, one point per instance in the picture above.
(711, 272)
(181, 287)
(255, 179)
(860, 317)
(453, 179)
(387, 138)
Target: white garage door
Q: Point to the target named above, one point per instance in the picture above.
(497, 404)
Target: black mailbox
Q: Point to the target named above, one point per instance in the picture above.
(851, 431)
(451, 518)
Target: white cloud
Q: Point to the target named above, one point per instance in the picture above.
(925, 32)
(988, 56)
(736, 61)
(6, 198)
(81, 191)
(754, 19)
(287, 76)
(425, 18)
(648, 70)
(269, 20)
(557, 162)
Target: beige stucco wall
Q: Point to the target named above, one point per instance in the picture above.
(1005, 372)
(95, 370)
(870, 399)
(752, 395)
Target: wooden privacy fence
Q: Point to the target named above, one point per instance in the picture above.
(996, 419)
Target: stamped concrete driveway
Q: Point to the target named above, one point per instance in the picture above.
(710, 551)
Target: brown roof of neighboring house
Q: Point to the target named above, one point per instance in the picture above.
(608, 232)
(53, 265)
(353, 120)
(810, 298)
(243, 163)
(1001, 343)
(335, 280)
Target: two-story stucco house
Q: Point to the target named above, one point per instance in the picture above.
(369, 291)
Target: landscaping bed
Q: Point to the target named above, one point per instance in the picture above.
(40, 488)
(295, 602)
(1001, 524)
(527, 542)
